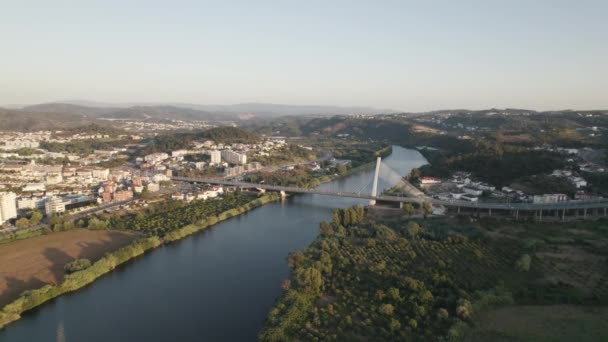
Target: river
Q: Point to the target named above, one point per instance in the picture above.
(217, 285)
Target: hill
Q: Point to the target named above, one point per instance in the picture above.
(155, 113)
(22, 120)
(231, 135)
(68, 109)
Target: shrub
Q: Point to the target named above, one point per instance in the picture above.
(77, 265)
(523, 263)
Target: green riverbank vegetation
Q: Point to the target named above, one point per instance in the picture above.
(394, 278)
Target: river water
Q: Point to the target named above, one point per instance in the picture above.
(217, 285)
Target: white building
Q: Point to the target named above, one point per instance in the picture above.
(471, 191)
(549, 198)
(54, 205)
(216, 157)
(17, 144)
(180, 153)
(100, 173)
(579, 182)
(153, 187)
(156, 157)
(234, 158)
(30, 203)
(33, 187)
(429, 180)
(8, 206)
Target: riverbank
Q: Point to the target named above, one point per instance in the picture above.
(72, 282)
(382, 153)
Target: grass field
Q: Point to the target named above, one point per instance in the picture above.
(541, 324)
(31, 263)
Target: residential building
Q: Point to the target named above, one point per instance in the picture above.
(216, 157)
(156, 157)
(234, 157)
(153, 187)
(54, 204)
(123, 195)
(429, 180)
(30, 203)
(8, 206)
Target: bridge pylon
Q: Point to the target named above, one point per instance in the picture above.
(375, 182)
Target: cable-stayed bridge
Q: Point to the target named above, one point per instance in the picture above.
(391, 177)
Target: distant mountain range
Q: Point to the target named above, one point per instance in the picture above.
(252, 109)
(73, 113)
(66, 114)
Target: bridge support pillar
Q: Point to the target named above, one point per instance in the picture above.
(375, 182)
(585, 213)
(516, 214)
(604, 211)
(283, 194)
(490, 212)
(563, 215)
(400, 205)
(459, 210)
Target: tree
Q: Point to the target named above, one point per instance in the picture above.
(35, 217)
(393, 293)
(326, 229)
(342, 169)
(387, 309)
(413, 229)
(295, 259)
(442, 314)
(394, 325)
(310, 279)
(414, 174)
(523, 263)
(77, 265)
(409, 209)
(427, 208)
(22, 223)
(336, 217)
(464, 309)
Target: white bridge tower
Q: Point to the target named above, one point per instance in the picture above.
(375, 183)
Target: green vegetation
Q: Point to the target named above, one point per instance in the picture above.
(92, 129)
(26, 151)
(397, 279)
(497, 167)
(299, 176)
(289, 154)
(84, 147)
(161, 218)
(32, 218)
(224, 135)
(77, 265)
(540, 323)
(22, 234)
(231, 135)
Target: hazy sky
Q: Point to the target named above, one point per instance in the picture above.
(405, 55)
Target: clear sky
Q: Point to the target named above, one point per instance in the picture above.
(404, 55)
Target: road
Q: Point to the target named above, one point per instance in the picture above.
(566, 205)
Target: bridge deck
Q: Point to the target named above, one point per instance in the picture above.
(567, 205)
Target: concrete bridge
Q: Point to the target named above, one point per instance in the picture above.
(559, 209)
